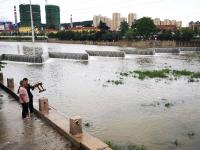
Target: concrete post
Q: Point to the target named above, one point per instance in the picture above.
(1, 77)
(75, 124)
(44, 105)
(10, 83)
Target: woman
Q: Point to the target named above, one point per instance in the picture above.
(23, 98)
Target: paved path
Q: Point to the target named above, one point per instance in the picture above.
(29, 134)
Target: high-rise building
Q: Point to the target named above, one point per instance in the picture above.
(97, 19)
(179, 24)
(25, 19)
(157, 21)
(194, 25)
(162, 23)
(116, 21)
(173, 22)
(123, 19)
(132, 17)
(52, 17)
(167, 22)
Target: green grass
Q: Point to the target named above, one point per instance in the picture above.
(116, 82)
(165, 73)
(152, 74)
(114, 146)
(181, 73)
(195, 75)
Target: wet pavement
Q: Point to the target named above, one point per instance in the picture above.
(30, 133)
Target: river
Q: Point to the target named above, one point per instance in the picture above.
(132, 113)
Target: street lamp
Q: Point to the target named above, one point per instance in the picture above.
(32, 27)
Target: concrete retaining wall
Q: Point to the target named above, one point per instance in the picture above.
(189, 48)
(106, 53)
(139, 51)
(79, 56)
(22, 58)
(167, 50)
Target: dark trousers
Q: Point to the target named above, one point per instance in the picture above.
(24, 110)
(30, 104)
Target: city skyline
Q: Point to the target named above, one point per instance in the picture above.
(85, 9)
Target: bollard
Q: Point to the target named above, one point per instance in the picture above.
(10, 82)
(75, 124)
(1, 77)
(44, 105)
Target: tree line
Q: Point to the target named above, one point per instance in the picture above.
(142, 29)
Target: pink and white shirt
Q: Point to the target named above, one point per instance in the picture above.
(23, 95)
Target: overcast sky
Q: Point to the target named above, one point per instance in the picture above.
(183, 10)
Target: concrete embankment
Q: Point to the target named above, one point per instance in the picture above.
(106, 53)
(60, 123)
(22, 58)
(139, 51)
(197, 49)
(78, 56)
(167, 50)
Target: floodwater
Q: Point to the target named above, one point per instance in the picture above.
(132, 113)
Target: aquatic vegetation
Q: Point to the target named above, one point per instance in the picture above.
(171, 75)
(129, 147)
(181, 73)
(136, 147)
(191, 134)
(112, 145)
(176, 142)
(195, 75)
(168, 105)
(163, 73)
(152, 74)
(116, 82)
(87, 124)
(124, 73)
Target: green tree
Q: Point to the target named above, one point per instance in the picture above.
(103, 27)
(131, 34)
(177, 36)
(187, 35)
(124, 27)
(145, 27)
(165, 35)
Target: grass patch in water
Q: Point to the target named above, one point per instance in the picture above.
(152, 74)
(168, 105)
(87, 124)
(128, 147)
(182, 73)
(163, 73)
(116, 82)
(195, 75)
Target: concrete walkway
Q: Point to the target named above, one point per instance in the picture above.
(28, 134)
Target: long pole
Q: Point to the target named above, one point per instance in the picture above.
(32, 27)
